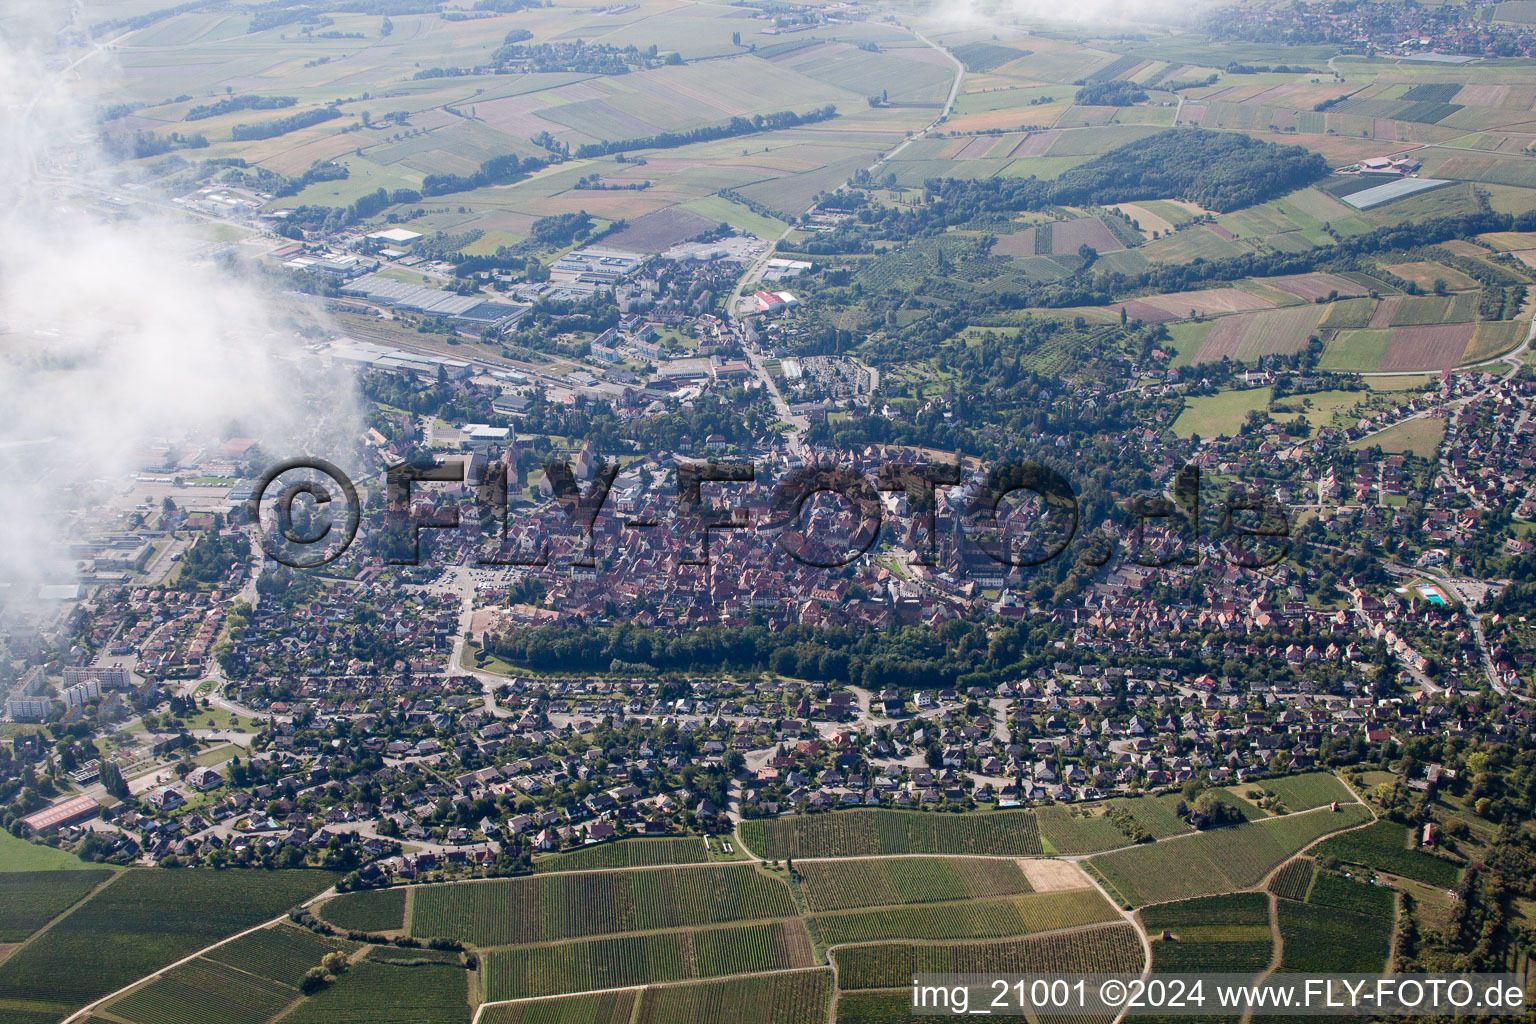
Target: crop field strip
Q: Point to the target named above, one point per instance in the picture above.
(30, 899)
(377, 993)
(848, 884)
(1109, 948)
(628, 853)
(1305, 792)
(1218, 860)
(143, 921)
(564, 906)
(1212, 933)
(867, 833)
(1293, 881)
(788, 997)
(626, 960)
(974, 919)
(281, 953)
(1323, 938)
(379, 910)
(203, 992)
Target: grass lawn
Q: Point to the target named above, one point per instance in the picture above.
(470, 659)
(20, 855)
(1221, 413)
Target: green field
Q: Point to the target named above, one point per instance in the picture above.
(201, 992)
(379, 910)
(280, 954)
(847, 884)
(19, 855)
(866, 833)
(891, 965)
(144, 920)
(30, 899)
(625, 960)
(630, 853)
(1421, 436)
(1213, 933)
(1294, 881)
(602, 1008)
(798, 998)
(1304, 792)
(1218, 860)
(984, 919)
(1331, 890)
(1220, 414)
(1327, 939)
(1356, 351)
(548, 907)
(1384, 847)
(375, 993)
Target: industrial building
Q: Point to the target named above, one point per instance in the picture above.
(469, 310)
(58, 816)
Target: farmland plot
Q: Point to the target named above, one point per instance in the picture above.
(380, 910)
(985, 919)
(864, 833)
(1218, 860)
(143, 921)
(30, 899)
(281, 954)
(846, 884)
(1384, 846)
(1327, 939)
(629, 853)
(202, 992)
(1304, 792)
(375, 993)
(522, 971)
(891, 965)
(601, 1008)
(1293, 881)
(797, 998)
(1213, 933)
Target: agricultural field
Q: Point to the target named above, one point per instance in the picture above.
(378, 910)
(983, 919)
(628, 853)
(865, 833)
(1421, 436)
(1213, 933)
(1304, 792)
(1109, 948)
(18, 855)
(1318, 938)
(1294, 881)
(202, 992)
(800, 997)
(550, 907)
(1384, 847)
(1221, 414)
(848, 884)
(377, 993)
(1332, 890)
(30, 899)
(1219, 860)
(602, 1008)
(281, 954)
(144, 920)
(621, 961)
